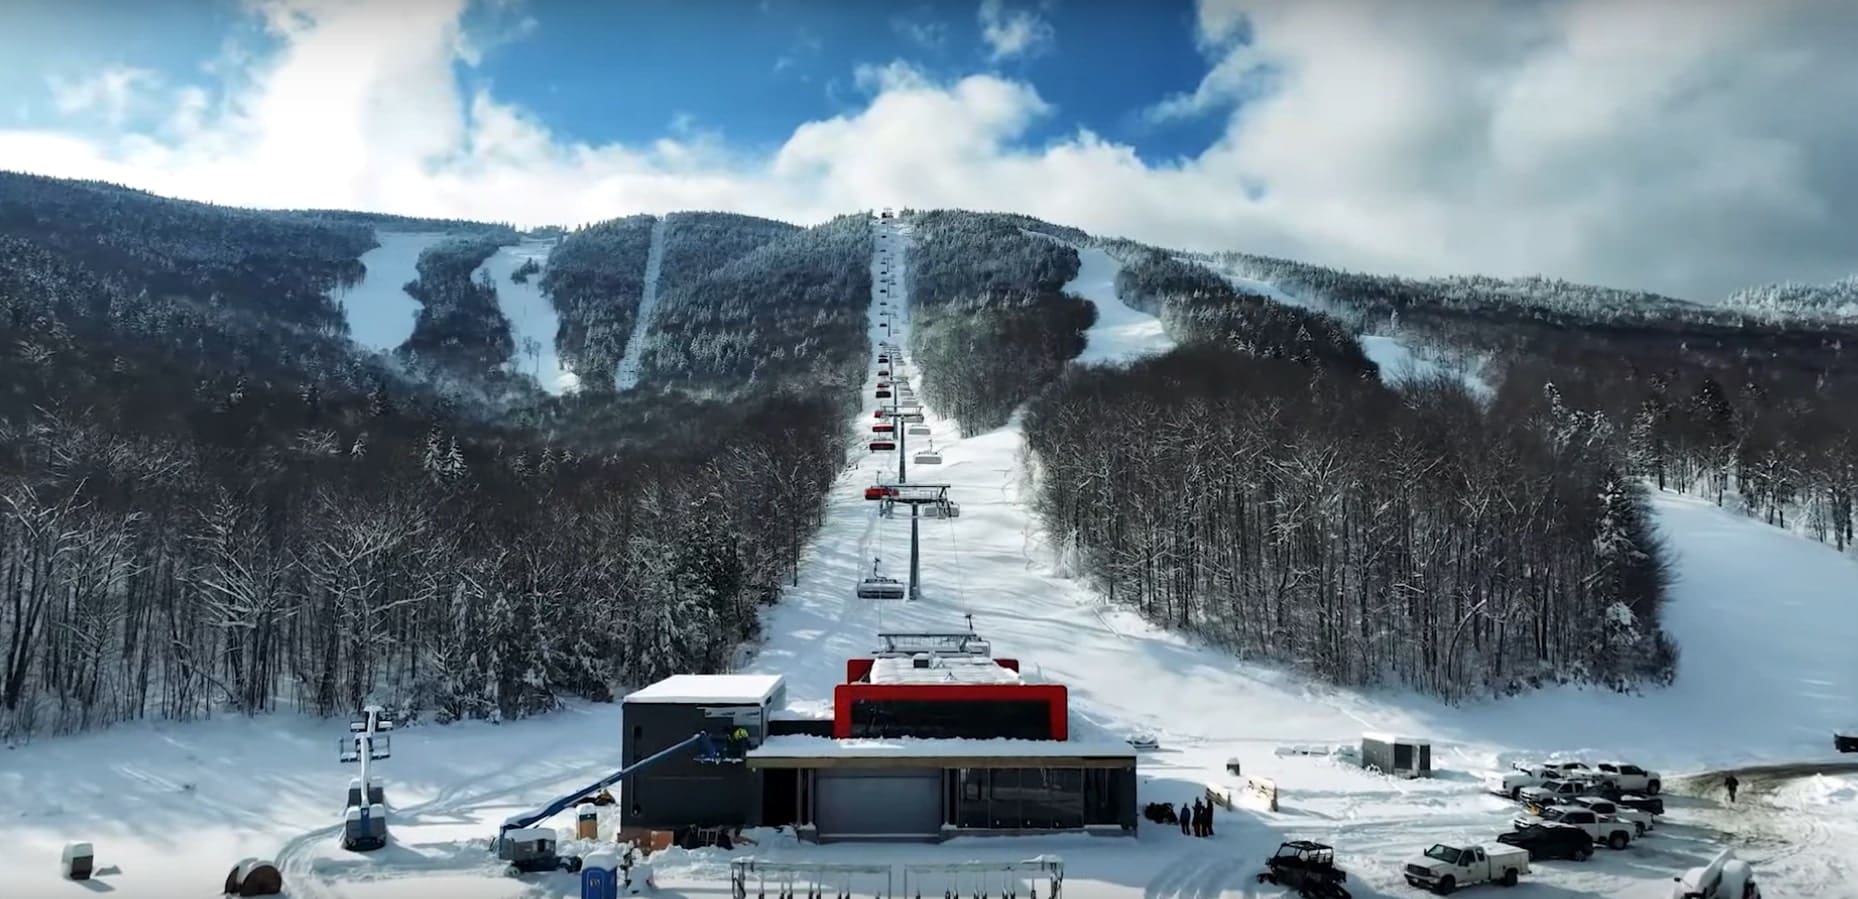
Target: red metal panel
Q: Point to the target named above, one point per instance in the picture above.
(844, 695)
(856, 670)
(1008, 664)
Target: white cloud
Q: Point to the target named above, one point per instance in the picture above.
(111, 94)
(1012, 32)
(922, 31)
(1691, 147)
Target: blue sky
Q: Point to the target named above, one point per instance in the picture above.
(749, 71)
(1684, 146)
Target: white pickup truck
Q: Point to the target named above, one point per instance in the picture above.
(1616, 834)
(1626, 778)
(1607, 808)
(1443, 868)
(1555, 792)
(1513, 783)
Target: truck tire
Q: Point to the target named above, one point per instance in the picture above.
(1653, 787)
(1618, 840)
(1582, 853)
(1509, 877)
(1447, 885)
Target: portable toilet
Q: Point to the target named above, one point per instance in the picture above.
(586, 822)
(79, 860)
(1398, 756)
(600, 876)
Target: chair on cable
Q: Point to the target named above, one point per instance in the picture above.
(876, 587)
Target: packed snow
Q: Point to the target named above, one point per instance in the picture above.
(630, 365)
(742, 689)
(1764, 619)
(533, 322)
(380, 312)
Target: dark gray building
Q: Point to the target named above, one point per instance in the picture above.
(683, 792)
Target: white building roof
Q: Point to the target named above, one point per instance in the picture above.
(1391, 738)
(942, 670)
(720, 689)
(908, 747)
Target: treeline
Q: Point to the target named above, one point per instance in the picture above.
(460, 325)
(698, 243)
(175, 543)
(595, 278)
(138, 249)
(1321, 520)
(789, 311)
(1196, 303)
(991, 323)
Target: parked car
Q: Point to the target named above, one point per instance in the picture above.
(1625, 778)
(1445, 868)
(1614, 833)
(1554, 792)
(1144, 740)
(1651, 805)
(1607, 808)
(1513, 783)
(1548, 841)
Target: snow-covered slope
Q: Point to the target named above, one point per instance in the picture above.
(533, 322)
(1765, 620)
(380, 313)
(629, 365)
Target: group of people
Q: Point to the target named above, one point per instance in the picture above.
(1198, 819)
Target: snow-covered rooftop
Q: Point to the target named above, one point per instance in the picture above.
(907, 747)
(1394, 738)
(942, 670)
(738, 689)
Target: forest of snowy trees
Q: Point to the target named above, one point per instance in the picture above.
(1320, 519)
(992, 324)
(460, 326)
(209, 503)
(594, 278)
(788, 311)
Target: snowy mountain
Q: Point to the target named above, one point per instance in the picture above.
(1200, 529)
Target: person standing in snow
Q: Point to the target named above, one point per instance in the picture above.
(1199, 818)
(1186, 818)
(1730, 783)
(1206, 820)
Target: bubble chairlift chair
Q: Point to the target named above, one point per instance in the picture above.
(928, 456)
(876, 587)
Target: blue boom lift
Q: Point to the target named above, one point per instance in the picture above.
(530, 849)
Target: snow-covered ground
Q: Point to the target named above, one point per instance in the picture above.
(380, 313)
(533, 322)
(629, 365)
(1765, 620)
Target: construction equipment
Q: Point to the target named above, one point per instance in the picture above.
(531, 849)
(364, 815)
(1309, 868)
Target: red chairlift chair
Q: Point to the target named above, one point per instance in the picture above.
(883, 445)
(880, 492)
(885, 428)
(883, 394)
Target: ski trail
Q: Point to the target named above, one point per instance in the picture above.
(629, 364)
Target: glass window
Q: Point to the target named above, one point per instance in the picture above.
(945, 719)
(974, 794)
